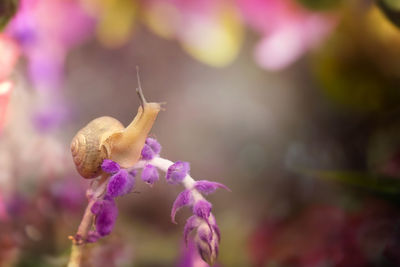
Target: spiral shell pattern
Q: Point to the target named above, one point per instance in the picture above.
(88, 147)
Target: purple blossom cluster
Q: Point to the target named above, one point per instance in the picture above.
(208, 234)
(122, 182)
(105, 210)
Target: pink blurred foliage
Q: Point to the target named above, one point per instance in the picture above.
(3, 209)
(45, 31)
(288, 30)
(9, 54)
(5, 93)
(68, 194)
(325, 234)
(52, 206)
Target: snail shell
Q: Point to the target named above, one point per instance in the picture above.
(106, 138)
(88, 147)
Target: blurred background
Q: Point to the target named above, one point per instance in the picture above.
(293, 104)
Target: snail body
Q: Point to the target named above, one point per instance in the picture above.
(107, 138)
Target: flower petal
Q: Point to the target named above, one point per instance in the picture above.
(105, 220)
(207, 187)
(207, 244)
(120, 184)
(217, 231)
(183, 199)
(154, 144)
(202, 209)
(150, 174)
(147, 153)
(191, 223)
(110, 166)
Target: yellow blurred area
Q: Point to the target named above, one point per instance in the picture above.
(382, 29)
(116, 20)
(214, 40)
(357, 65)
(217, 44)
(162, 18)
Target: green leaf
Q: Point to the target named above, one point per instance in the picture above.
(391, 9)
(393, 4)
(7, 10)
(371, 182)
(320, 4)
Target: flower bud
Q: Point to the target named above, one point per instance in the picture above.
(147, 153)
(177, 172)
(154, 145)
(106, 217)
(207, 243)
(149, 174)
(202, 209)
(150, 149)
(120, 184)
(110, 166)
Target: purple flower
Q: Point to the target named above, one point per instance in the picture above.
(105, 218)
(110, 166)
(120, 184)
(183, 199)
(149, 174)
(177, 172)
(150, 149)
(207, 187)
(154, 144)
(202, 209)
(207, 238)
(147, 152)
(207, 243)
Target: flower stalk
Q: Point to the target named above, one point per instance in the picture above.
(94, 193)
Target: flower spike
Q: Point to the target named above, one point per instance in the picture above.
(117, 181)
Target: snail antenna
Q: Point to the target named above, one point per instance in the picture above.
(139, 89)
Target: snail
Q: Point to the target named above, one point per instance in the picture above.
(106, 138)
